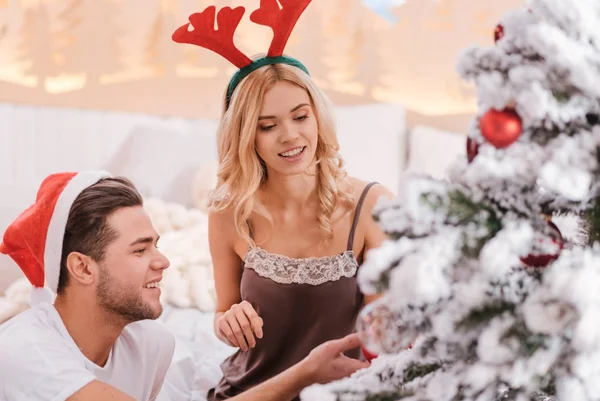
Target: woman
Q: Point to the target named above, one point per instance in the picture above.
(287, 227)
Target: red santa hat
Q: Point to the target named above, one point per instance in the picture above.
(35, 239)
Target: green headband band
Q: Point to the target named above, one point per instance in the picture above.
(255, 65)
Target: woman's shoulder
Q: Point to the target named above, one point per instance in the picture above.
(222, 219)
(367, 226)
(375, 192)
(221, 213)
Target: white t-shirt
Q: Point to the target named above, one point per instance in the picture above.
(40, 361)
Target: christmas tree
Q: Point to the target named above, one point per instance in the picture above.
(482, 297)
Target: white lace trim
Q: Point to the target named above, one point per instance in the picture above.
(313, 271)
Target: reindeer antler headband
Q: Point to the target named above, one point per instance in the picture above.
(280, 20)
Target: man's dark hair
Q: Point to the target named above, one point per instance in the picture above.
(87, 229)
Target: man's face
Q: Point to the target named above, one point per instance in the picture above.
(132, 267)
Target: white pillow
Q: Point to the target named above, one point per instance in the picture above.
(372, 142)
(163, 162)
(432, 151)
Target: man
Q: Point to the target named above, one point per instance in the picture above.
(88, 239)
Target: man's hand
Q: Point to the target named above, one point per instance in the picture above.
(323, 365)
(326, 363)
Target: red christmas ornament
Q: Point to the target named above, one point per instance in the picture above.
(498, 33)
(472, 149)
(533, 260)
(369, 356)
(501, 128)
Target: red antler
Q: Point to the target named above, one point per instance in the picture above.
(281, 20)
(220, 40)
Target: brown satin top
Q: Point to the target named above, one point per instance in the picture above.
(303, 302)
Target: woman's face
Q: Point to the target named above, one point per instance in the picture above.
(287, 130)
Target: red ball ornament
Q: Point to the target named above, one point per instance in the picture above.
(501, 128)
(472, 149)
(498, 33)
(543, 260)
(369, 356)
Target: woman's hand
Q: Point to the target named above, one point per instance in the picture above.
(239, 325)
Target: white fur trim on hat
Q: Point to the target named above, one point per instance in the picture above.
(58, 223)
(40, 295)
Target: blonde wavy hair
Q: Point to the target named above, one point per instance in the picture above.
(241, 171)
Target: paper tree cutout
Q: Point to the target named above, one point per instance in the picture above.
(89, 25)
(340, 52)
(36, 47)
(162, 55)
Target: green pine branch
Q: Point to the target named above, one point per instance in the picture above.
(415, 370)
(482, 316)
(592, 222)
(461, 210)
(529, 342)
(383, 396)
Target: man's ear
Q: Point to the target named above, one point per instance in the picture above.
(82, 268)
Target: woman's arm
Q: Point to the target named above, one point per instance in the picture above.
(374, 236)
(235, 322)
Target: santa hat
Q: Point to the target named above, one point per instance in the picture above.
(35, 239)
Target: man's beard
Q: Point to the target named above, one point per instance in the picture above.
(122, 300)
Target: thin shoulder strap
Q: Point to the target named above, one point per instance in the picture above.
(361, 200)
(250, 229)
